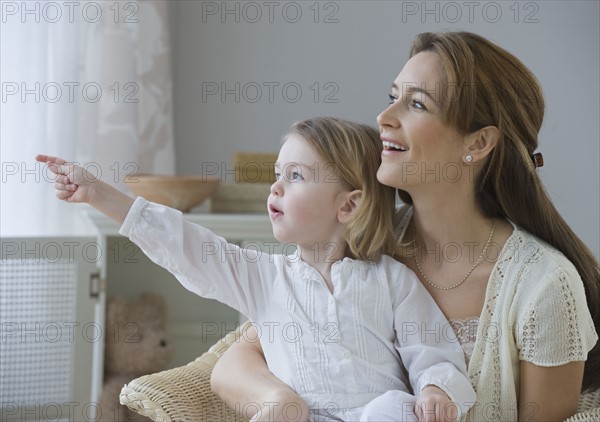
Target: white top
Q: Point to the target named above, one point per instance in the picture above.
(535, 310)
(343, 348)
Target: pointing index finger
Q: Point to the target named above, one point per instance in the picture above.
(49, 159)
(54, 163)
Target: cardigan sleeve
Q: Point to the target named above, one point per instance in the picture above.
(203, 262)
(556, 327)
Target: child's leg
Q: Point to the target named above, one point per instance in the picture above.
(394, 405)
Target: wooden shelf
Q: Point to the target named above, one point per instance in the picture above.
(229, 226)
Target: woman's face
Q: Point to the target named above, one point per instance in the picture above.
(420, 150)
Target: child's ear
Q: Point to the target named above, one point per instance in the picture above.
(350, 202)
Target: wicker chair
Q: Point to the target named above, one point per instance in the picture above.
(184, 394)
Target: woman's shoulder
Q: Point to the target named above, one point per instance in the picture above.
(529, 270)
(526, 250)
(543, 295)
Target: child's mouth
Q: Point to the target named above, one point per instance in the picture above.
(274, 211)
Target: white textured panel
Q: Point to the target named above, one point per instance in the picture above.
(37, 331)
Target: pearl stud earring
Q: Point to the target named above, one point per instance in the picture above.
(468, 158)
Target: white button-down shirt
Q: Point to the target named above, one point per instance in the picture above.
(339, 349)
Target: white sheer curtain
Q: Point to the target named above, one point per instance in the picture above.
(93, 86)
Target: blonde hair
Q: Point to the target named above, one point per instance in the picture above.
(354, 152)
(486, 85)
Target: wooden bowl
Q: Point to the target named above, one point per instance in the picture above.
(179, 192)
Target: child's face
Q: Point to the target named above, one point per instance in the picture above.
(305, 198)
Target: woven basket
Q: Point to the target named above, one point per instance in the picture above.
(183, 394)
(588, 409)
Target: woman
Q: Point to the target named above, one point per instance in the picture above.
(459, 140)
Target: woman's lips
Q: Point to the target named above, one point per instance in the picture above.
(392, 145)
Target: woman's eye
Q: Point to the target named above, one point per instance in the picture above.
(392, 98)
(418, 105)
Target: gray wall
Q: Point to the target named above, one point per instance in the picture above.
(353, 51)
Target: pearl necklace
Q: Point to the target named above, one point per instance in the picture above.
(479, 260)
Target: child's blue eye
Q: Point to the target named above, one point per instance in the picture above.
(293, 177)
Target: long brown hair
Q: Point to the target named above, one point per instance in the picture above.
(486, 85)
(352, 152)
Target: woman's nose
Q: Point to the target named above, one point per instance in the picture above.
(387, 118)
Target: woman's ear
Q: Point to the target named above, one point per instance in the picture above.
(481, 143)
(349, 203)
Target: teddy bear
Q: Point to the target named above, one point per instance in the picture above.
(135, 344)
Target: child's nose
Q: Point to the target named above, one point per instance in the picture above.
(276, 188)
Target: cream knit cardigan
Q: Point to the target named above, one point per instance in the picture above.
(535, 310)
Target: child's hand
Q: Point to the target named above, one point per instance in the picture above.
(72, 183)
(434, 405)
(76, 184)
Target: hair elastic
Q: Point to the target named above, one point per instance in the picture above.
(538, 160)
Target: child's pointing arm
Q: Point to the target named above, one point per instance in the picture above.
(77, 185)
